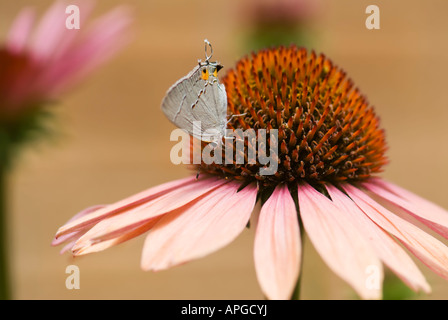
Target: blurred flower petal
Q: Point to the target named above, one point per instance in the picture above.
(103, 39)
(122, 205)
(207, 225)
(49, 32)
(103, 245)
(130, 219)
(338, 242)
(20, 31)
(427, 212)
(387, 249)
(76, 234)
(38, 65)
(429, 250)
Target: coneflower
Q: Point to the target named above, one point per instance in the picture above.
(39, 60)
(330, 147)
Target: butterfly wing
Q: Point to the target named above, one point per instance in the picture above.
(192, 99)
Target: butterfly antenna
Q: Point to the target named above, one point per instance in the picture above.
(207, 56)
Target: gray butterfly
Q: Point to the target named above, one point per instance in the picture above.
(197, 103)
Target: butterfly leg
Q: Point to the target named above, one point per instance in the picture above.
(235, 115)
(231, 138)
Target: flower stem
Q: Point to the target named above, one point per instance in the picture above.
(4, 274)
(296, 293)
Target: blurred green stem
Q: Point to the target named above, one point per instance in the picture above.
(4, 268)
(395, 289)
(296, 293)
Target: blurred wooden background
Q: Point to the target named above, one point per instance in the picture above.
(114, 141)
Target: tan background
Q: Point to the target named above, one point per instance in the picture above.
(114, 141)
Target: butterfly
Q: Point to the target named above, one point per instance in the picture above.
(197, 103)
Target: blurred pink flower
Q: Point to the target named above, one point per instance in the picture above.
(39, 61)
(279, 11)
(268, 23)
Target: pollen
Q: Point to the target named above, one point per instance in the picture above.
(327, 130)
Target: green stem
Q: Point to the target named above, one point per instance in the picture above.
(4, 274)
(294, 193)
(296, 293)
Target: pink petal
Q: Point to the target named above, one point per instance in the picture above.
(67, 247)
(104, 39)
(71, 37)
(277, 245)
(425, 211)
(388, 250)
(103, 245)
(175, 198)
(120, 206)
(49, 32)
(339, 242)
(428, 249)
(197, 230)
(20, 31)
(76, 234)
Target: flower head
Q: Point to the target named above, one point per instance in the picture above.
(327, 130)
(40, 61)
(330, 147)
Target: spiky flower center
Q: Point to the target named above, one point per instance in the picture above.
(327, 131)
